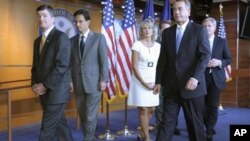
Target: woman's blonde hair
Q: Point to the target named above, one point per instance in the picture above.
(148, 23)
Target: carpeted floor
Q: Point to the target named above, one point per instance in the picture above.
(226, 117)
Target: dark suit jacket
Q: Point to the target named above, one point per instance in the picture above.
(92, 66)
(51, 67)
(220, 51)
(191, 60)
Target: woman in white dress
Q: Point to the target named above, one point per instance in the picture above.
(145, 54)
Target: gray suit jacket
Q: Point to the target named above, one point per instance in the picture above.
(51, 67)
(92, 67)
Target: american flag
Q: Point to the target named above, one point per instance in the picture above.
(166, 13)
(222, 31)
(149, 11)
(109, 33)
(222, 34)
(126, 39)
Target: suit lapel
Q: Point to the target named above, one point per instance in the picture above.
(184, 38)
(37, 49)
(88, 43)
(47, 43)
(214, 46)
(77, 46)
(174, 39)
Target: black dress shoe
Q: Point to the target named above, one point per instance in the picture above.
(214, 132)
(139, 137)
(177, 131)
(209, 137)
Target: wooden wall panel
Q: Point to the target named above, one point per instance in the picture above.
(228, 95)
(243, 94)
(4, 28)
(237, 91)
(244, 57)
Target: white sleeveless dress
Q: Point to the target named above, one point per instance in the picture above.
(148, 57)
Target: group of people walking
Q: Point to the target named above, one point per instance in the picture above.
(186, 70)
(183, 68)
(61, 65)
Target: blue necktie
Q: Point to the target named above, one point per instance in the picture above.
(178, 38)
(82, 45)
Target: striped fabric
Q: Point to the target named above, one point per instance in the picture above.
(109, 33)
(126, 39)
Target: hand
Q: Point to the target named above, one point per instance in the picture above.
(39, 89)
(157, 89)
(214, 63)
(102, 85)
(71, 87)
(192, 84)
(151, 85)
(35, 88)
(148, 86)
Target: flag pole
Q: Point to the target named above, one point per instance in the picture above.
(102, 104)
(108, 135)
(220, 107)
(227, 69)
(125, 132)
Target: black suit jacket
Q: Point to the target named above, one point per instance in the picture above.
(191, 60)
(51, 67)
(220, 51)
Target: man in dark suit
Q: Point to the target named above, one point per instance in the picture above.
(215, 75)
(159, 109)
(181, 72)
(50, 76)
(89, 72)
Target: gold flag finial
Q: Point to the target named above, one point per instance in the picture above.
(221, 9)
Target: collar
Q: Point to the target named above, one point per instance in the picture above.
(211, 38)
(46, 32)
(85, 34)
(183, 27)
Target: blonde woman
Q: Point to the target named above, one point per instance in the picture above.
(145, 54)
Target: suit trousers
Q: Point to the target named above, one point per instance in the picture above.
(54, 125)
(193, 112)
(211, 104)
(159, 112)
(88, 105)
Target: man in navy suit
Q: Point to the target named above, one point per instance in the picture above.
(89, 69)
(50, 78)
(181, 71)
(159, 109)
(215, 75)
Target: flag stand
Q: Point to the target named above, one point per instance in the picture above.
(125, 132)
(107, 136)
(221, 107)
(227, 69)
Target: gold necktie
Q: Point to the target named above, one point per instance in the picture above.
(42, 42)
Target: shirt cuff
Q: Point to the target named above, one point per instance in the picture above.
(194, 80)
(220, 65)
